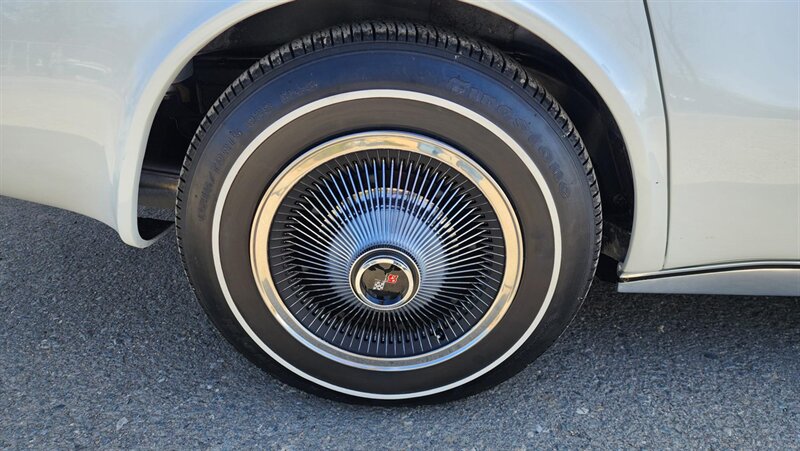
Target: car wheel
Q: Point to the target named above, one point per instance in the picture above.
(388, 211)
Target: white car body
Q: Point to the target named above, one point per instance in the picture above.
(706, 97)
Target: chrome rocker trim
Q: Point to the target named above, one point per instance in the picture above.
(760, 278)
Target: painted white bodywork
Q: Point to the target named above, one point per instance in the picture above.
(80, 84)
(77, 141)
(731, 79)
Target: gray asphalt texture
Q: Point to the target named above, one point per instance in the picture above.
(103, 345)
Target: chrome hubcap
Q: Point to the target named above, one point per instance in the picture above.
(386, 250)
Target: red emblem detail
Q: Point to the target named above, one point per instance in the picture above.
(391, 278)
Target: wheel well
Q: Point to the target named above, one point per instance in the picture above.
(223, 59)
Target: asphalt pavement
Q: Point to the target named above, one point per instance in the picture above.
(103, 345)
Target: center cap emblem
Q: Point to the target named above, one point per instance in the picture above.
(384, 279)
(390, 278)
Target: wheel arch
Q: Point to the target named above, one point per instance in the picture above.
(614, 55)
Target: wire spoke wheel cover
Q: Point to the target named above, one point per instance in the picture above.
(386, 250)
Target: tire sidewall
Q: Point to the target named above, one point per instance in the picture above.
(364, 66)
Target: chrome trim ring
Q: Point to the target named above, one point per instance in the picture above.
(361, 212)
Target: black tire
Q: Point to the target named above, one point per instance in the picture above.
(404, 57)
